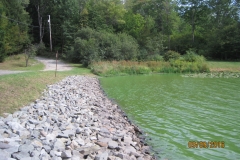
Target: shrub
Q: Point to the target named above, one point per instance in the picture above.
(91, 45)
(171, 55)
(191, 56)
(41, 49)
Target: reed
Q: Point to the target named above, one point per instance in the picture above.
(114, 68)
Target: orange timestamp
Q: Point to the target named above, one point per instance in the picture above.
(206, 144)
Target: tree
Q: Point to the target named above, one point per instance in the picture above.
(194, 12)
(40, 6)
(2, 50)
(30, 52)
(105, 15)
(15, 25)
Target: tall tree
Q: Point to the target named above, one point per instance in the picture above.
(40, 6)
(193, 11)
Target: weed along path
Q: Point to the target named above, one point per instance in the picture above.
(50, 64)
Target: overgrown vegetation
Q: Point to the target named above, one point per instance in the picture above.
(189, 63)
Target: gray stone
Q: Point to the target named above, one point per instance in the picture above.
(76, 155)
(4, 154)
(105, 140)
(66, 154)
(26, 158)
(50, 137)
(33, 121)
(47, 148)
(35, 153)
(59, 145)
(13, 149)
(15, 126)
(112, 144)
(20, 155)
(102, 156)
(73, 120)
(80, 141)
(89, 150)
(4, 145)
(37, 144)
(62, 135)
(26, 148)
(79, 130)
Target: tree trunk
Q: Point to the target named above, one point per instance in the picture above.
(41, 28)
(27, 61)
(193, 25)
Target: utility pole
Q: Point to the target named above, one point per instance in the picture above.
(49, 21)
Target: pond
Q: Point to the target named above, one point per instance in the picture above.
(176, 111)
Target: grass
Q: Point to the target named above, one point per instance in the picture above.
(17, 62)
(18, 90)
(216, 66)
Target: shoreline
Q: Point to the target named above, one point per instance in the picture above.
(74, 119)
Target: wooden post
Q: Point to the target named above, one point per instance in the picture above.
(56, 63)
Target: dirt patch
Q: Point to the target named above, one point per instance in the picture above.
(50, 64)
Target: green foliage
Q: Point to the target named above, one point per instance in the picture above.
(171, 55)
(134, 24)
(91, 45)
(191, 56)
(41, 49)
(105, 15)
(2, 46)
(30, 52)
(154, 44)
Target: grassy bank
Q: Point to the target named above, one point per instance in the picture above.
(17, 62)
(114, 68)
(18, 90)
(216, 66)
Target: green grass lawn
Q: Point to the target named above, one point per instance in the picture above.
(216, 66)
(18, 63)
(18, 90)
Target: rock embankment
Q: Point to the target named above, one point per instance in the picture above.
(73, 120)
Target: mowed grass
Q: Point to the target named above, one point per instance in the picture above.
(18, 90)
(217, 66)
(18, 63)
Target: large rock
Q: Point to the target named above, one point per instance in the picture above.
(26, 148)
(112, 144)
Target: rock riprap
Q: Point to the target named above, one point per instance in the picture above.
(73, 120)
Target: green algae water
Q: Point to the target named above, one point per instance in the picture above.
(174, 110)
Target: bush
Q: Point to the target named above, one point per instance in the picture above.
(171, 55)
(41, 49)
(155, 57)
(91, 45)
(191, 56)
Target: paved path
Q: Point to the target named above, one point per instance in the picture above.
(4, 72)
(50, 65)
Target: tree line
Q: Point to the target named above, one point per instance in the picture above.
(89, 30)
